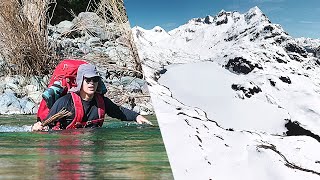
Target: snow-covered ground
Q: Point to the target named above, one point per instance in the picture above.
(232, 92)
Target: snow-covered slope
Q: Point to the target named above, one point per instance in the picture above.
(232, 92)
(311, 45)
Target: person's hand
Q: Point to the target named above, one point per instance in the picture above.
(38, 127)
(142, 120)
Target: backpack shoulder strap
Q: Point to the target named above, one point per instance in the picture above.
(78, 110)
(101, 107)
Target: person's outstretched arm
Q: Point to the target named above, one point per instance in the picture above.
(123, 113)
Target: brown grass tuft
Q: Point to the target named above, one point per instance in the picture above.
(24, 42)
(115, 10)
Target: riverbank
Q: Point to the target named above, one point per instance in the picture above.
(85, 37)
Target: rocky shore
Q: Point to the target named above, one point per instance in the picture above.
(85, 37)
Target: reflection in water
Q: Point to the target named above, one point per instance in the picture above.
(66, 154)
(127, 152)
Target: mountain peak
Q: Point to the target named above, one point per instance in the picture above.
(158, 29)
(255, 15)
(255, 10)
(222, 11)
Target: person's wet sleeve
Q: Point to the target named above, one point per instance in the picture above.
(121, 113)
(130, 115)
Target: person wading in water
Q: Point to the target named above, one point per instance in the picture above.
(86, 104)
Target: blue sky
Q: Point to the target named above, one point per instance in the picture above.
(297, 17)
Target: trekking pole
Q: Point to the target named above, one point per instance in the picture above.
(62, 113)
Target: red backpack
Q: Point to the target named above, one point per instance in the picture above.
(65, 74)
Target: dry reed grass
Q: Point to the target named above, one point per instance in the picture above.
(24, 41)
(24, 37)
(115, 9)
(113, 12)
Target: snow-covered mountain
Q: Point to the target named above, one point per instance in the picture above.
(236, 97)
(311, 45)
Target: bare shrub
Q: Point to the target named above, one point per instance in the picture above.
(24, 42)
(113, 20)
(115, 9)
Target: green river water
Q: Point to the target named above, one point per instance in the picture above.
(118, 150)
